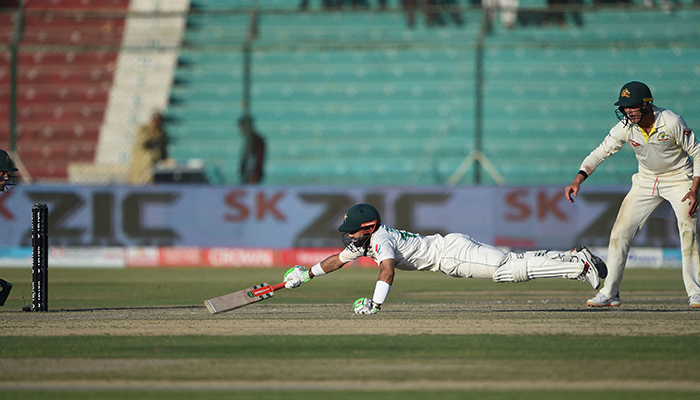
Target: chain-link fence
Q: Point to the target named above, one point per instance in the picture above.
(343, 96)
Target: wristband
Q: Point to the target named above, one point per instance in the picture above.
(381, 290)
(317, 270)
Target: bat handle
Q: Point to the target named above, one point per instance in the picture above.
(278, 286)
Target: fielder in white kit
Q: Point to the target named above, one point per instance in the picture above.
(663, 145)
(455, 254)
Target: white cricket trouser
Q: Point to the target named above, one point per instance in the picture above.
(464, 257)
(646, 194)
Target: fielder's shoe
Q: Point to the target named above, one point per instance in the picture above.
(601, 300)
(694, 301)
(5, 288)
(590, 272)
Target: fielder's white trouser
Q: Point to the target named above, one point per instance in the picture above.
(464, 257)
(646, 194)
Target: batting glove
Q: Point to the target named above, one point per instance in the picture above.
(295, 276)
(365, 305)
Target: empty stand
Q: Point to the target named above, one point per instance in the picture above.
(360, 98)
(328, 116)
(356, 97)
(63, 82)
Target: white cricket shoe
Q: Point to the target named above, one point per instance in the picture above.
(694, 301)
(601, 300)
(597, 261)
(590, 272)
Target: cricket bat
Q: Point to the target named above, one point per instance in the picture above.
(241, 298)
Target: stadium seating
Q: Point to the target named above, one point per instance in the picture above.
(370, 109)
(359, 98)
(61, 94)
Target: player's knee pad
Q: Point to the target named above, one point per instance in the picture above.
(513, 270)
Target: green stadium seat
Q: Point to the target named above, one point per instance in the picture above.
(358, 98)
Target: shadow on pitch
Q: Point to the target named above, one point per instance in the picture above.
(127, 308)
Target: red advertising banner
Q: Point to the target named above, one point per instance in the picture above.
(228, 257)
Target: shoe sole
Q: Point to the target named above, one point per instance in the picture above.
(598, 262)
(600, 266)
(598, 305)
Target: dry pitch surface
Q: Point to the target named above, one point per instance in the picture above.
(643, 317)
(500, 318)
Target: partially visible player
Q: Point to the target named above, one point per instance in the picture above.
(455, 254)
(664, 145)
(8, 181)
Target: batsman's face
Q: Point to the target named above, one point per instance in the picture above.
(356, 234)
(634, 113)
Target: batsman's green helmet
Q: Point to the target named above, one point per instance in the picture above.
(634, 93)
(6, 164)
(360, 216)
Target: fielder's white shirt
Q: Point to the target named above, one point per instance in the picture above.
(664, 150)
(410, 251)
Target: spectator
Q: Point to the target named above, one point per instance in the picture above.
(508, 10)
(409, 7)
(253, 156)
(150, 146)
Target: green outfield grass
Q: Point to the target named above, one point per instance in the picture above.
(592, 364)
(88, 288)
(477, 347)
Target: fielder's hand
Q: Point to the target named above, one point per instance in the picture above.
(295, 276)
(365, 305)
(571, 191)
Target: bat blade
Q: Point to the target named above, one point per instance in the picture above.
(241, 298)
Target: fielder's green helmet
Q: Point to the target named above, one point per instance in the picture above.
(6, 164)
(634, 93)
(360, 216)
